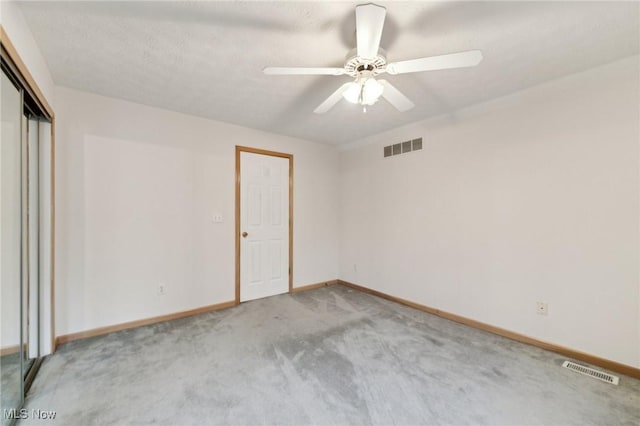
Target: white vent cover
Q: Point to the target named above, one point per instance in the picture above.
(605, 377)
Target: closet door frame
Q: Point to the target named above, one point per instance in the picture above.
(16, 66)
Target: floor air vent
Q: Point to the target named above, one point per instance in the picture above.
(609, 378)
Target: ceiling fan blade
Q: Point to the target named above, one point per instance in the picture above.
(395, 97)
(469, 58)
(369, 24)
(303, 71)
(332, 99)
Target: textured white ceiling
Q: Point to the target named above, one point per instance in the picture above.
(206, 58)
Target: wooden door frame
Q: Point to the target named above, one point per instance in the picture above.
(240, 149)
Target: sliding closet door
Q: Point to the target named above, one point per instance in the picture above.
(45, 234)
(26, 232)
(31, 292)
(11, 226)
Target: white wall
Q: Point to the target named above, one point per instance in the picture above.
(137, 188)
(22, 39)
(532, 197)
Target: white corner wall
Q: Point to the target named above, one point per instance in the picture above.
(136, 191)
(22, 39)
(531, 197)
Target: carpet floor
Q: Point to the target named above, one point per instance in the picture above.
(332, 356)
(10, 388)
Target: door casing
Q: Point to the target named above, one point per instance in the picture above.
(240, 149)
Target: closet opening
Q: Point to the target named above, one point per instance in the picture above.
(26, 231)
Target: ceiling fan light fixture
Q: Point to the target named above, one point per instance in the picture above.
(364, 92)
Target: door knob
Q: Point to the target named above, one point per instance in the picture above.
(244, 234)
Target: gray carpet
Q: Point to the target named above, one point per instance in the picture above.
(10, 387)
(328, 356)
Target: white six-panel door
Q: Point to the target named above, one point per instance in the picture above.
(264, 225)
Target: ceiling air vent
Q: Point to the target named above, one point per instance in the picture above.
(402, 147)
(605, 377)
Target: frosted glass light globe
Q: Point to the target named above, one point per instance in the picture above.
(352, 94)
(371, 92)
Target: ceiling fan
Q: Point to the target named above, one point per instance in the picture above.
(368, 60)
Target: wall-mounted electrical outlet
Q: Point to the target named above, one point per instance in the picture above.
(217, 218)
(355, 268)
(162, 289)
(542, 308)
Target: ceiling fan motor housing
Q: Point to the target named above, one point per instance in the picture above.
(356, 64)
